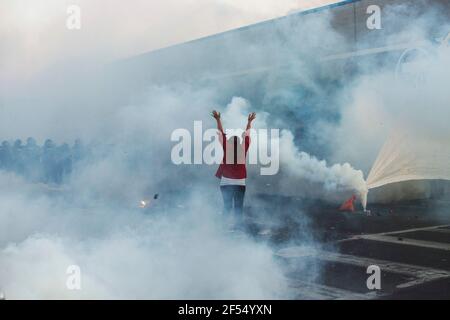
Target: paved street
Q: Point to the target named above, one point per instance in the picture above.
(409, 242)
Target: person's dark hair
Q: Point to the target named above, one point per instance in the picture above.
(233, 140)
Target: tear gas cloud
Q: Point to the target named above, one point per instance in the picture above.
(124, 254)
(184, 253)
(409, 96)
(408, 99)
(93, 222)
(34, 36)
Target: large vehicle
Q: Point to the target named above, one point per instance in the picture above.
(349, 32)
(299, 63)
(326, 45)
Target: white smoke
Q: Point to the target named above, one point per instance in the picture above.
(299, 165)
(409, 98)
(336, 177)
(93, 221)
(123, 253)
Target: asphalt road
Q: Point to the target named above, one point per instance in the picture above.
(326, 253)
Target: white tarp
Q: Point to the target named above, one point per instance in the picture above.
(406, 156)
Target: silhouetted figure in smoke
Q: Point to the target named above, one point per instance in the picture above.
(77, 151)
(49, 161)
(49, 164)
(32, 160)
(232, 171)
(63, 163)
(18, 157)
(6, 156)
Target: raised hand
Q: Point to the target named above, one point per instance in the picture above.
(216, 115)
(251, 117)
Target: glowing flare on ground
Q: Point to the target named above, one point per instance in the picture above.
(144, 203)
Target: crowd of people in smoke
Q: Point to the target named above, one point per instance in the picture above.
(49, 163)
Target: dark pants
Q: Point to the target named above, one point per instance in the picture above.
(233, 194)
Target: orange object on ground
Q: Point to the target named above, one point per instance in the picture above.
(348, 205)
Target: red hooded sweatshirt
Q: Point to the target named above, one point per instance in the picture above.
(236, 154)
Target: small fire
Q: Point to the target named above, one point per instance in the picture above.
(144, 203)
